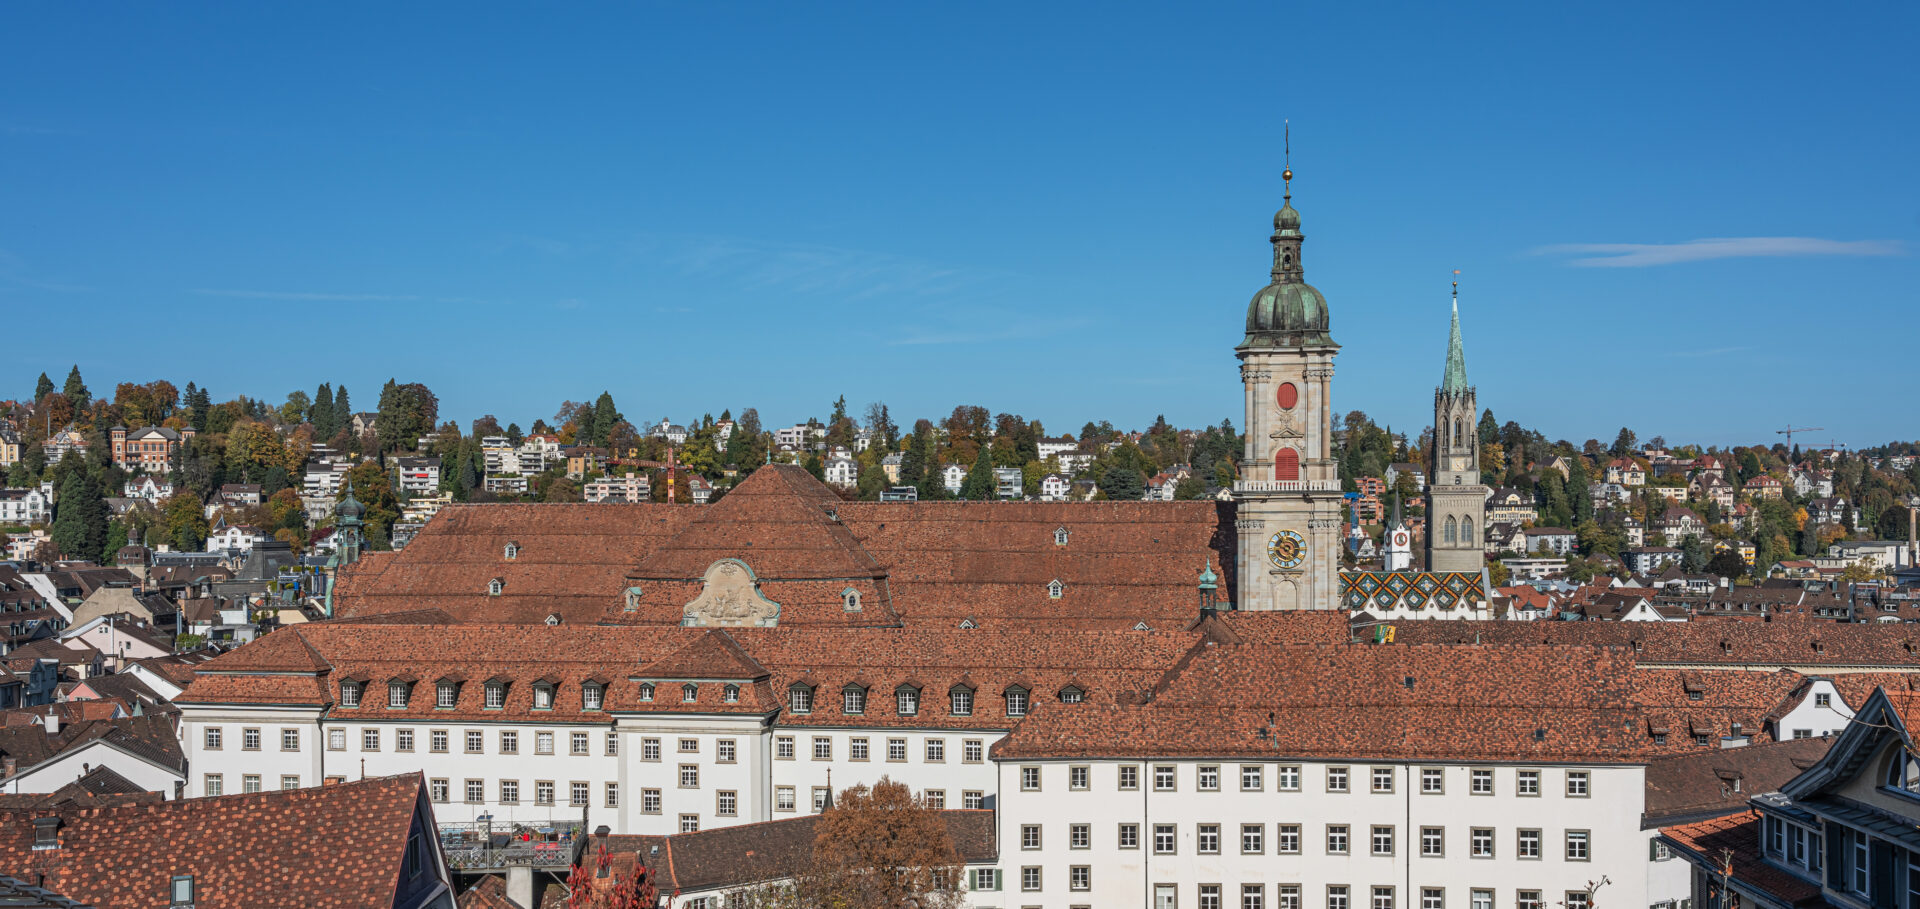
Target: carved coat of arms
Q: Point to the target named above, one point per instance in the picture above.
(730, 599)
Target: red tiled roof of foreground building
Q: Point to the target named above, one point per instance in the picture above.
(329, 846)
(1739, 835)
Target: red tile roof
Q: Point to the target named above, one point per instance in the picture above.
(1739, 834)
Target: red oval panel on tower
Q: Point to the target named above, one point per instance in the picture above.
(1288, 396)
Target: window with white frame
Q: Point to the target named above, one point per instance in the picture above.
(1164, 839)
(349, 694)
(1482, 782)
(1016, 701)
(1382, 840)
(1250, 778)
(853, 700)
(960, 701)
(1481, 841)
(689, 693)
(906, 701)
(496, 695)
(1577, 784)
(1383, 779)
(1253, 838)
(732, 694)
(444, 695)
(1206, 839)
(1337, 839)
(1078, 777)
(1336, 779)
(1288, 779)
(800, 699)
(1433, 781)
(1433, 842)
(1286, 839)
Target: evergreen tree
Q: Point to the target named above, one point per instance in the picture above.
(322, 412)
(913, 464)
(116, 538)
(1123, 484)
(604, 416)
(1489, 428)
(80, 517)
(76, 390)
(42, 388)
(1578, 482)
(978, 486)
(342, 410)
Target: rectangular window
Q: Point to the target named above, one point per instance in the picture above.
(820, 795)
(936, 751)
(1163, 839)
(1577, 784)
(1253, 896)
(984, 879)
(1080, 836)
(509, 742)
(783, 747)
(972, 751)
(509, 792)
(476, 792)
(1080, 877)
(1077, 778)
(438, 790)
(935, 798)
(650, 749)
(689, 823)
(1129, 777)
(443, 696)
(613, 744)
(1029, 836)
(1776, 837)
(543, 792)
(689, 776)
(973, 798)
(1482, 842)
(1527, 899)
(1577, 845)
(649, 801)
(1337, 897)
(1382, 840)
(1253, 839)
(1251, 778)
(543, 743)
(726, 803)
(1433, 842)
(1337, 839)
(213, 738)
(577, 743)
(1822, 700)
(250, 783)
(1860, 848)
(613, 795)
(1287, 839)
(896, 749)
(289, 781)
(1433, 780)
(437, 741)
(476, 741)
(1528, 845)
(1209, 896)
(1578, 899)
(1383, 898)
(289, 740)
(579, 793)
(1433, 898)
(1797, 847)
(1529, 783)
(403, 740)
(1129, 836)
(689, 746)
(1336, 779)
(857, 748)
(1482, 782)
(1207, 839)
(1383, 779)
(1208, 779)
(1289, 779)
(213, 784)
(369, 740)
(336, 739)
(1030, 877)
(1030, 779)
(1482, 899)
(1163, 778)
(783, 798)
(250, 739)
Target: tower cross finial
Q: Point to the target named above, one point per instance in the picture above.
(1286, 167)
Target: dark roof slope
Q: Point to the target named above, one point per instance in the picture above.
(1693, 787)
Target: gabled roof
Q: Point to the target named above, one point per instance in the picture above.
(713, 655)
(1693, 786)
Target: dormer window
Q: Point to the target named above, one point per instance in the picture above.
(590, 696)
(496, 695)
(397, 692)
(1072, 695)
(800, 699)
(542, 696)
(907, 701)
(732, 694)
(850, 600)
(46, 832)
(495, 586)
(1055, 589)
(960, 701)
(689, 693)
(1903, 771)
(180, 890)
(349, 694)
(1016, 701)
(1060, 536)
(853, 699)
(646, 691)
(513, 551)
(445, 694)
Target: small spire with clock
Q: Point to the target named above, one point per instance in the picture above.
(1399, 548)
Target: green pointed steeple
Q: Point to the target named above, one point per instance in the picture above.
(1455, 380)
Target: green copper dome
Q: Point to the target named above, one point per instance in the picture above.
(1288, 312)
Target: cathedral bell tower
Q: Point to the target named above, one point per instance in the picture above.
(1289, 487)
(1456, 502)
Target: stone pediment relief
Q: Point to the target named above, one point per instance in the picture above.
(730, 599)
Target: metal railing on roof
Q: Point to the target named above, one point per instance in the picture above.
(484, 845)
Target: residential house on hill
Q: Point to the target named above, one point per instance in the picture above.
(149, 449)
(1764, 487)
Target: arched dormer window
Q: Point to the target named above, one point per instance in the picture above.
(1059, 536)
(689, 693)
(397, 694)
(853, 700)
(906, 700)
(850, 600)
(1072, 695)
(1016, 700)
(960, 700)
(1055, 589)
(349, 694)
(1903, 771)
(800, 698)
(495, 586)
(513, 551)
(646, 691)
(733, 694)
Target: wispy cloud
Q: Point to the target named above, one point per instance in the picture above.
(1642, 255)
(306, 296)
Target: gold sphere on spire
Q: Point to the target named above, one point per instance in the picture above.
(1287, 174)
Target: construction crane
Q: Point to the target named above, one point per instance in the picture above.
(1791, 429)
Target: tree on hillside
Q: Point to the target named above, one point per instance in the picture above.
(80, 516)
(1623, 443)
(881, 848)
(76, 390)
(321, 413)
(979, 485)
(42, 388)
(1123, 484)
(407, 412)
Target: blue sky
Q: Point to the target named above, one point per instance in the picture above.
(1699, 220)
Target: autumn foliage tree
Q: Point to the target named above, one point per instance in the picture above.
(878, 846)
(598, 887)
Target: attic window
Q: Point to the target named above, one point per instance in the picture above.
(496, 695)
(800, 698)
(591, 695)
(1903, 771)
(542, 696)
(906, 700)
(495, 586)
(689, 693)
(180, 890)
(1055, 589)
(46, 833)
(513, 550)
(349, 694)
(553, 618)
(850, 600)
(1072, 695)
(1060, 536)
(397, 694)
(646, 691)
(732, 694)
(445, 694)
(1016, 701)
(960, 701)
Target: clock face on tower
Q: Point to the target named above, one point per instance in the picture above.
(1399, 538)
(1286, 549)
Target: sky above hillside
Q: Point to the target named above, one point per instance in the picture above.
(1697, 220)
